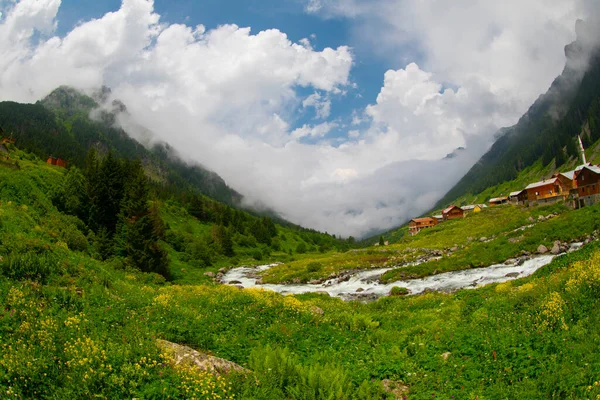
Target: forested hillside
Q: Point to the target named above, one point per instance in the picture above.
(60, 125)
(548, 131)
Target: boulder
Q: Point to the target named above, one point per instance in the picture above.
(555, 249)
(483, 239)
(530, 219)
(209, 274)
(542, 249)
(453, 249)
(359, 290)
(234, 282)
(193, 360)
(316, 310)
(512, 275)
(222, 270)
(396, 388)
(446, 355)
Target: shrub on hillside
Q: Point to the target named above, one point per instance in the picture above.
(399, 291)
(314, 267)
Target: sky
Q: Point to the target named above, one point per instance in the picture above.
(337, 114)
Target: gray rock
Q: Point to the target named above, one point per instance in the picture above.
(555, 249)
(222, 270)
(455, 248)
(209, 274)
(542, 249)
(530, 219)
(483, 239)
(359, 290)
(512, 275)
(234, 282)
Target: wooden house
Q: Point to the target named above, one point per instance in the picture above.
(587, 185)
(518, 198)
(453, 212)
(547, 191)
(416, 225)
(497, 201)
(56, 161)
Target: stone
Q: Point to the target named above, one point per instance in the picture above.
(530, 219)
(446, 355)
(555, 249)
(222, 270)
(396, 388)
(234, 282)
(512, 275)
(209, 274)
(316, 310)
(483, 239)
(455, 248)
(187, 358)
(542, 249)
(359, 290)
(513, 240)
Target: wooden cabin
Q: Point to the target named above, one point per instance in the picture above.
(587, 185)
(497, 201)
(453, 212)
(417, 224)
(59, 162)
(547, 191)
(518, 197)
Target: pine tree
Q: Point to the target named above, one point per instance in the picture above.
(381, 241)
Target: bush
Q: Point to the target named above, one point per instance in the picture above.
(301, 249)
(314, 267)
(31, 266)
(257, 255)
(399, 291)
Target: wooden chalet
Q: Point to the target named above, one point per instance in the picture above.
(497, 201)
(587, 185)
(453, 212)
(59, 162)
(416, 225)
(518, 197)
(547, 191)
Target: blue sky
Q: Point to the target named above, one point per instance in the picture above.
(288, 16)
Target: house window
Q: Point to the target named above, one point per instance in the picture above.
(537, 193)
(583, 177)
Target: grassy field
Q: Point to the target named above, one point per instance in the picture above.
(75, 327)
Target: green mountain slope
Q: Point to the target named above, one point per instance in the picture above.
(60, 125)
(547, 132)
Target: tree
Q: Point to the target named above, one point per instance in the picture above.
(381, 241)
(140, 227)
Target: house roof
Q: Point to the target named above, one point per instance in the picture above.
(447, 210)
(469, 207)
(426, 219)
(593, 168)
(498, 199)
(438, 216)
(513, 194)
(541, 183)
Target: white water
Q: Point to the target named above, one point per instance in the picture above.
(369, 280)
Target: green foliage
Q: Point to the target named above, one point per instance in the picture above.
(398, 291)
(314, 267)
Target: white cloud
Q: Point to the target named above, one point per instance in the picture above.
(322, 105)
(228, 97)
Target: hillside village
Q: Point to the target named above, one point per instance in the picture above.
(576, 188)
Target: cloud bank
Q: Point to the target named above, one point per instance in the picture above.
(230, 98)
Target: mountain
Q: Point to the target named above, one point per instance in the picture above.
(548, 130)
(67, 124)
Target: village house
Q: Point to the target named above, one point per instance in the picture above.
(587, 182)
(453, 212)
(547, 191)
(496, 201)
(473, 208)
(518, 198)
(56, 161)
(417, 224)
